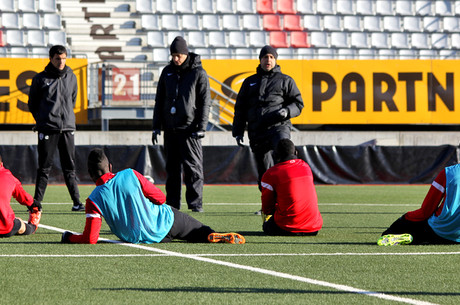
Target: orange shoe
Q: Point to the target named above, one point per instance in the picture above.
(34, 217)
(231, 238)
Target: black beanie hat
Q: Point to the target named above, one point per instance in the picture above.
(268, 50)
(179, 45)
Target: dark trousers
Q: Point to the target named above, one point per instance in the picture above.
(17, 225)
(185, 227)
(271, 228)
(47, 144)
(183, 153)
(420, 231)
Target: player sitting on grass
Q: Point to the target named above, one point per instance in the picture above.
(9, 224)
(288, 193)
(438, 219)
(134, 210)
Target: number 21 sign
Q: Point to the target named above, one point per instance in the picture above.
(126, 84)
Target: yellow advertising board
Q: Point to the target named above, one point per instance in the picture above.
(362, 91)
(15, 79)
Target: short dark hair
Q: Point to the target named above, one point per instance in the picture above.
(97, 161)
(285, 150)
(57, 49)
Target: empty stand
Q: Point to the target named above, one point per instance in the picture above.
(352, 23)
(345, 7)
(372, 23)
(299, 39)
(7, 6)
(211, 22)
(332, 23)
(399, 40)
(2, 41)
(346, 53)
(14, 38)
(325, 7)
(10, 20)
(191, 22)
(443, 8)
(339, 39)
(40, 52)
(451, 24)
(359, 40)
(439, 41)
(364, 7)
(252, 22)
(47, 6)
(223, 53)
(205, 53)
(245, 7)
(19, 52)
(427, 54)
(412, 24)
(36, 38)
(31, 21)
(455, 38)
(156, 39)
(419, 40)
(164, 6)
(367, 53)
(404, 8)
(204, 6)
(237, 39)
(379, 40)
(170, 22)
(26, 6)
(423, 7)
(431, 24)
(160, 55)
(197, 39)
(57, 37)
(144, 6)
(217, 39)
(231, 22)
(278, 39)
(150, 22)
(292, 23)
(387, 54)
(408, 54)
(305, 53)
(285, 53)
(326, 53)
(265, 7)
(319, 39)
(448, 54)
(285, 7)
(272, 22)
(243, 53)
(312, 23)
(185, 6)
(225, 7)
(258, 39)
(305, 7)
(384, 7)
(392, 23)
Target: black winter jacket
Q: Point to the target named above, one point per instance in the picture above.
(260, 98)
(183, 98)
(52, 98)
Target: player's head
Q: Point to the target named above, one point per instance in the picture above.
(98, 164)
(285, 150)
(58, 56)
(179, 50)
(268, 57)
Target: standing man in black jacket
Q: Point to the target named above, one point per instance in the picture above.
(52, 98)
(181, 109)
(266, 102)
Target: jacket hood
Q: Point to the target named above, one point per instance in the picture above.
(193, 61)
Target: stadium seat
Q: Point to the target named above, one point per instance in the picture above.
(231, 22)
(278, 39)
(10, 20)
(325, 7)
(170, 35)
(237, 39)
(170, 22)
(224, 7)
(252, 22)
(305, 53)
(39, 52)
(2, 41)
(7, 6)
(52, 22)
(419, 40)
(367, 54)
(47, 6)
(245, 7)
(164, 6)
(326, 53)
(451, 24)
(156, 39)
(292, 23)
(223, 53)
(404, 8)
(31, 21)
(423, 7)
(439, 41)
(204, 6)
(197, 39)
(443, 8)
(428, 54)
(457, 7)
(339, 39)
(312, 22)
(185, 6)
(408, 54)
(387, 54)
(243, 53)
(455, 40)
(448, 54)
(431, 24)
(285, 7)
(384, 7)
(161, 55)
(217, 39)
(372, 24)
(258, 38)
(211, 22)
(150, 22)
(285, 53)
(332, 23)
(359, 40)
(57, 37)
(144, 6)
(364, 7)
(379, 40)
(265, 7)
(191, 22)
(14, 38)
(205, 53)
(352, 23)
(346, 53)
(412, 24)
(399, 40)
(319, 39)
(345, 7)
(305, 7)
(36, 38)
(19, 52)
(299, 39)
(272, 22)
(392, 23)
(26, 6)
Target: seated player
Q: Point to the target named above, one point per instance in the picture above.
(438, 219)
(289, 201)
(10, 225)
(135, 211)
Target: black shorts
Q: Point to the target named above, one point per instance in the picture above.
(271, 228)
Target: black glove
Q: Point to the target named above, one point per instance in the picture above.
(198, 135)
(155, 135)
(283, 113)
(35, 205)
(239, 140)
(65, 237)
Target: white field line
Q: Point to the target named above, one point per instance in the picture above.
(263, 271)
(259, 204)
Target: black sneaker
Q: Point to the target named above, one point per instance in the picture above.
(198, 210)
(78, 207)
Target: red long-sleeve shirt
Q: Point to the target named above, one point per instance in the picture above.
(433, 202)
(93, 215)
(289, 194)
(10, 186)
